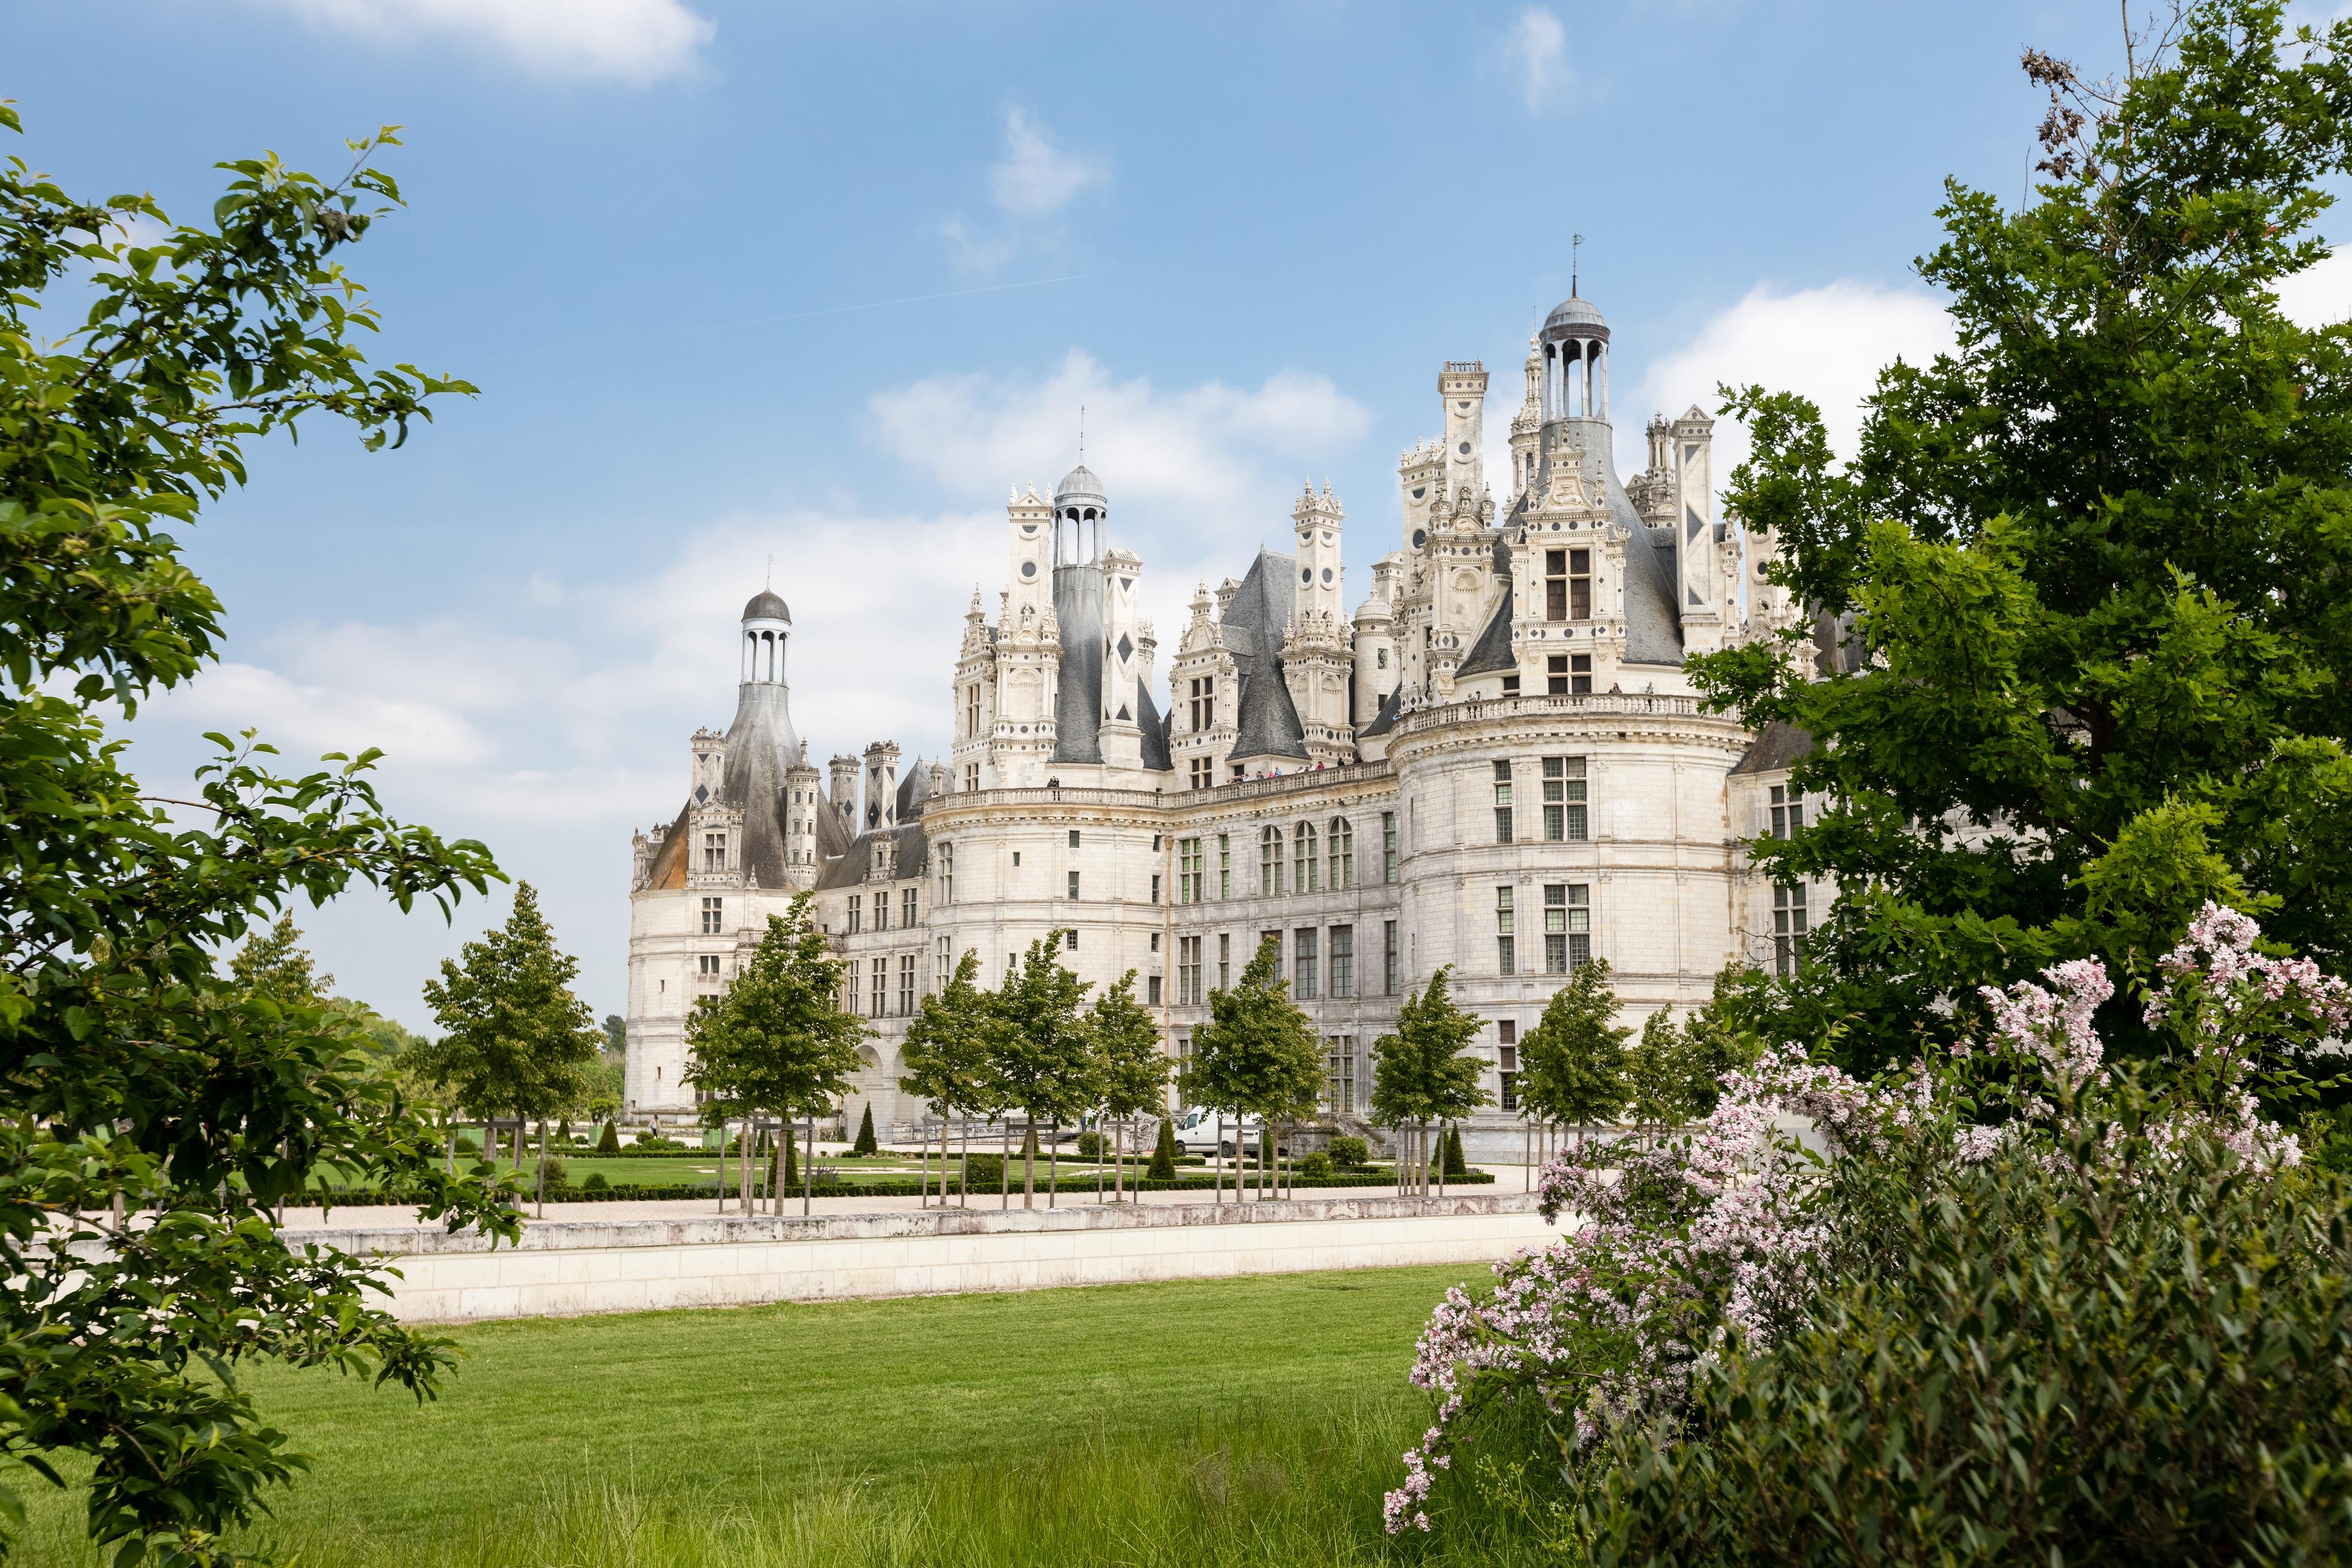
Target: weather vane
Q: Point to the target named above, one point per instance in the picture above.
(1575, 242)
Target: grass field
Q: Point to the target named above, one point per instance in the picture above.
(1196, 1423)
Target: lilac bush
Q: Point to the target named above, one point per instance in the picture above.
(1720, 1232)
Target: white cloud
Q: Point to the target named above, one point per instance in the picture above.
(1206, 445)
(634, 41)
(1033, 181)
(1828, 344)
(2320, 296)
(303, 719)
(1037, 178)
(1536, 48)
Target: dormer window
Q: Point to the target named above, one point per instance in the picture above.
(714, 851)
(1568, 585)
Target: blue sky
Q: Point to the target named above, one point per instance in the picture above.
(822, 282)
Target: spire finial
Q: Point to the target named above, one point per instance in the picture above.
(1575, 243)
(771, 581)
(1082, 433)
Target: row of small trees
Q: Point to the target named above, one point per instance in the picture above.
(1578, 1070)
(1037, 1046)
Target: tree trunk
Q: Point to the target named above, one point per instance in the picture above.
(542, 1168)
(1217, 1165)
(1053, 1166)
(742, 1162)
(963, 1181)
(808, 1168)
(722, 1164)
(1005, 1197)
(1029, 1162)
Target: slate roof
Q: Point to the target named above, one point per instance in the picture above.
(760, 746)
(847, 869)
(1385, 720)
(1154, 724)
(1776, 748)
(1254, 625)
(1078, 705)
(1492, 651)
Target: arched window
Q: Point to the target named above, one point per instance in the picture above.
(1269, 862)
(1342, 842)
(1303, 864)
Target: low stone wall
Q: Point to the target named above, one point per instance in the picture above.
(573, 1267)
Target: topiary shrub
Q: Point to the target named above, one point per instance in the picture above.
(983, 1172)
(595, 1182)
(1315, 1167)
(467, 1145)
(1455, 1166)
(556, 1173)
(608, 1142)
(865, 1143)
(1091, 1145)
(1163, 1155)
(1351, 1153)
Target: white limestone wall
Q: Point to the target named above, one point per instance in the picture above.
(587, 1267)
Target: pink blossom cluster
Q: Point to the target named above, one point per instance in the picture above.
(1714, 1231)
(2056, 1026)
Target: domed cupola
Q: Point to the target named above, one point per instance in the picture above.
(767, 628)
(1081, 518)
(1574, 343)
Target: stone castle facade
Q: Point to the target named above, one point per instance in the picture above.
(1495, 761)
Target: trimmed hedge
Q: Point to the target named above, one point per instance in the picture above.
(899, 1189)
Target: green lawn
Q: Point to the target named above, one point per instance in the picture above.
(1193, 1423)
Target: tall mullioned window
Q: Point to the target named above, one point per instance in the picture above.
(1502, 802)
(1188, 970)
(1388, 848)
(1340, 1073)
(879, 990)
(1307, 967)
(1343, 962)
(1388, 958)
(1224, 865)
(881, 910)
(856, 901)
(1188, 871)
(1302, 863)
(1341, 839)
(1506, 944)
(1203, 713)
(1789, 926)
(1563, 799)
(1567, 927)
(1788, 811)
(1224, 960)
(714, 916)
(905, 984)
(714, 851)
(971, 710)
(907, 908)
(1269, 862)
(947, 873)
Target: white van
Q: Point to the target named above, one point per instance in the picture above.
(1198, 1131)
